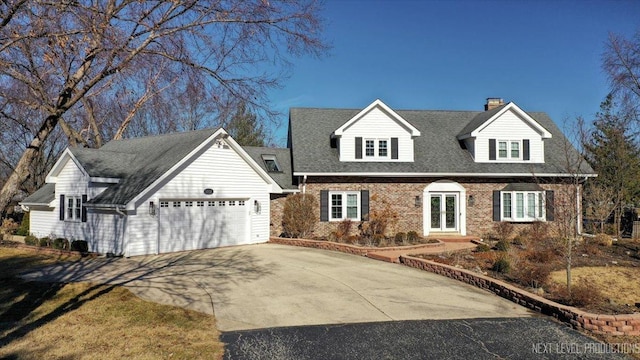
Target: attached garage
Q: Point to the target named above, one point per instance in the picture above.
(202, 224)
(160, 194)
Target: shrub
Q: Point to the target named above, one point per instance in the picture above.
(79, 245)
(60, 244)
(541, 255)
(503, 230)
(531, 274)
(582, 294)
(538, 230)
(603, 240)
(299, 215)
(412, 236)
(381, 216)
(352, 239)
(400, 238)
(44, 242)
(518, 240)
(31, 240)
(344, 229)
(503, 245)
(483, 248)
(9, 226)
(23, 230)
(502, 265)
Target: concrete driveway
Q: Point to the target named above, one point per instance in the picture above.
(267, 285)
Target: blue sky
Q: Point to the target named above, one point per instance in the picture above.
(452, 55)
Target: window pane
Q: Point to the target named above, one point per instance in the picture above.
(531, 205)
(519, 205)
(370, 148)
(502, 149)
(540, 204)
(382, 148)
(352, 206)
(515, 149)
(435, 212)
(336, 206)
(506, 205)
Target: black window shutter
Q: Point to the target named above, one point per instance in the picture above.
(525, 150)
(84, 209)
(358, 148)
(364, 205)
(550, 205)
(62, 209)
(492, 149)
(394, 148)
(324, 205)
(496, 205)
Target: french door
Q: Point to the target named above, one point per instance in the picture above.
(444, 211)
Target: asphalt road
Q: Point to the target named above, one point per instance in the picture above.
(498, 338)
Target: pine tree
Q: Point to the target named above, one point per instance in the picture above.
(613, 153)
(245, 128)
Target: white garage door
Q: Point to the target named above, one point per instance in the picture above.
(202, 224)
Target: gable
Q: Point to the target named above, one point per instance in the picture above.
(376, 134)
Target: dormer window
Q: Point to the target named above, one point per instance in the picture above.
(376, 148)
(271, 163)
(508, 150)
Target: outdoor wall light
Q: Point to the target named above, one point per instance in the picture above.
(208, 191)
(471, 201)
(256, 207)
(152, 208)
(418, 203)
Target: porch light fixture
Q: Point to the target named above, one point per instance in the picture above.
(152, 208)
(418, 203)
(256, 207)
(208, 191)
(471, 201)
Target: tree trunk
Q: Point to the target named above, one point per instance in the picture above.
(569, 249)
(22, 172)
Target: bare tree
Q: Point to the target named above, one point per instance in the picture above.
(54, 56)
(599, 203)
(621, 62)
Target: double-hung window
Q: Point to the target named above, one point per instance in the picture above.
(344, 205)
(509, 150)
(522, 206)
(376, 148)
(74, 208)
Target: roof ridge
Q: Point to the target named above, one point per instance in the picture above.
(173, 134)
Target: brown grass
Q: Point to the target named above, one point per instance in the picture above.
(619, 284)
(85, 321)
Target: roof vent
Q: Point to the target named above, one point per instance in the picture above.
(493, 103)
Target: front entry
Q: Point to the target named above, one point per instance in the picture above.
(444, 212)
(444, 208)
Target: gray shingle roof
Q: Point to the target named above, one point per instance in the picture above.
(437, 150)
(42, 196)
(138, 162)
(283, 157)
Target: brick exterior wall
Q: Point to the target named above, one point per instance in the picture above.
(400, 195)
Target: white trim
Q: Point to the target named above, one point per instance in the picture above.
(539, 208)
(444, 186)
(405, 174)
(510, 107)
(106, 180)
(344, 194)
(377, 103)
(52, 176)
(222, 134)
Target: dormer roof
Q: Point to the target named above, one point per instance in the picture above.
(382, 106)
(483, 119)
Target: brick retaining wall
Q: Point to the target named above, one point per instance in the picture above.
(345, 248)
(623, 324)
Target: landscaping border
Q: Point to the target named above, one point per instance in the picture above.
(622, 324)
(346, 248)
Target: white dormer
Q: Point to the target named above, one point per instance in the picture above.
(376, 134)
(505, 134)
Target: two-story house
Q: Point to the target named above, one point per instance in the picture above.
(442, 172)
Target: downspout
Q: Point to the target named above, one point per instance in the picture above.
(304, 184)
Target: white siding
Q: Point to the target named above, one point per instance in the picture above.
(376, 124)
(220, 169)
(102, 230)
(43, 221)
(508, 127)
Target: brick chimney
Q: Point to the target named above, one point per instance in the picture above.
(493, 103)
